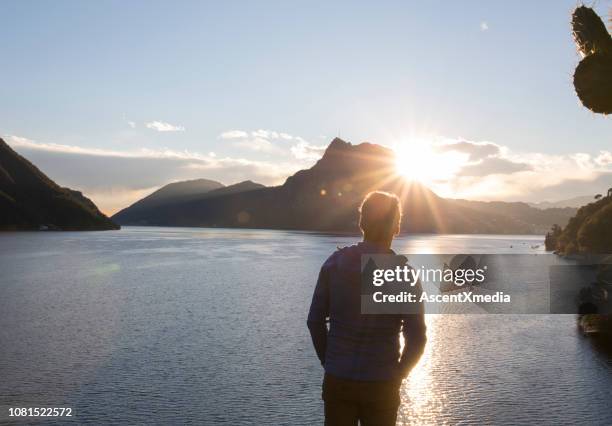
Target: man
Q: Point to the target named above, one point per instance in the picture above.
(361, 353)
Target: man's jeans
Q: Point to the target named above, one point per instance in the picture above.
(370, 403)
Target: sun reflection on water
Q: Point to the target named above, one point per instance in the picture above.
(422, 401)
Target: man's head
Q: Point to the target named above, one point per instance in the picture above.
(380, 217)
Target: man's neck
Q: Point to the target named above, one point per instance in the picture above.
(382, 244)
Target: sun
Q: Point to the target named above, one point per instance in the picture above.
(419, 161)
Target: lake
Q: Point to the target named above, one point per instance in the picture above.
(208, 326)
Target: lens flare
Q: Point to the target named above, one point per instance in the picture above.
(424, 162)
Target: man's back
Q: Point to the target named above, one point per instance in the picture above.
(357, 346)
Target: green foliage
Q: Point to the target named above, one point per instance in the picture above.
(589, 231)
(593, 75)
(595, 234)
(550, 241)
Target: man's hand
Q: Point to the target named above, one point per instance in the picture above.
(411, 355)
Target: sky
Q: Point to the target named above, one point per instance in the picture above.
(119, 98)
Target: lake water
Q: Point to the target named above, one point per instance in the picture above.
(169, 325)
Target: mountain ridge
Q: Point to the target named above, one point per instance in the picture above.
(326, 196)
(574, 202)
(177, 193)
(29, 199)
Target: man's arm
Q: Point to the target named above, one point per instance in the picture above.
(319, 311)
(415, 336)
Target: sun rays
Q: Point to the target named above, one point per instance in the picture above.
(420, 161)
(414, 171)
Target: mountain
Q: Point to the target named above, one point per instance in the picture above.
(176, 192)
(30, 200)
(247, 185)
(145, 210)
(326, 198)
(570, 202)
(538, 218)
(589, 231)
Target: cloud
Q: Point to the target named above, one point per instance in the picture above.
(274, 143)
(528, 176)
(484, 26)
(482, 158)
(265, 134)
(489, 171)
(272, 135)
(304, 151)
(161, 126)
(21, 142)
(259, 144)
(115, 179)
(258, 134)
(604, 158)
(599, 184)
(234, 134)
(493, 166)
(475, 150)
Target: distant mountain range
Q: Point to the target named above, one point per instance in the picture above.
(570, 202)
(30, 200)
(145, 210)
(326, 197)
(177, 192)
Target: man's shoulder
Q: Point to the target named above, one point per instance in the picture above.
(342, 254)
(352, 254)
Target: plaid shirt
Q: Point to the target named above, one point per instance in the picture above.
(356, 346)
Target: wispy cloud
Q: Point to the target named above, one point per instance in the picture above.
(274, 142)
(162, 126)
(604, 158)
(494, 172)
(265, 134)
(474, 150)
(484, 26)
(257, 134)
(305, 151)
(259, 144)
(234, 134)
(494, 166)
(115, 179)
